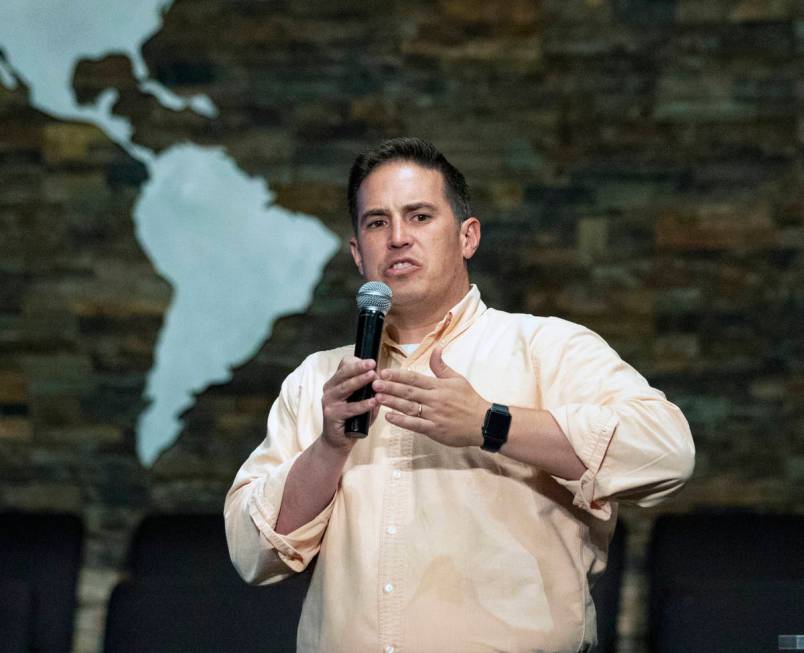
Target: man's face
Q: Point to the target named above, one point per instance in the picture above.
(409, 238)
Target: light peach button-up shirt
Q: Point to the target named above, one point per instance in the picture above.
(427, 548)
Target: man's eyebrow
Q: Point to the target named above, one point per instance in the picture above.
(415, 206)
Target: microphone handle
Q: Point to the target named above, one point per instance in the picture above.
(367, 345)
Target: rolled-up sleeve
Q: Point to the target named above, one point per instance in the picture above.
(635, 444)
(258, 552)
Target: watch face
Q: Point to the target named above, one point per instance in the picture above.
(498, 423)
(495, 427)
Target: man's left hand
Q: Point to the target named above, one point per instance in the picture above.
(445, 408)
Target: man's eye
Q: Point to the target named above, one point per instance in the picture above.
(375, 224)
(421, 217)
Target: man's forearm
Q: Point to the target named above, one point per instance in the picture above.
(310, 485)
(536, 438)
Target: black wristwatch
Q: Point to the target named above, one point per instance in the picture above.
(495, 427)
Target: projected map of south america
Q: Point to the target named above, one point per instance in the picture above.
(235, 259)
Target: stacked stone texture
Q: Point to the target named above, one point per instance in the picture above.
(636, 166)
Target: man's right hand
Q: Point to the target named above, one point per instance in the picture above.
(313, 479)
(352, 374)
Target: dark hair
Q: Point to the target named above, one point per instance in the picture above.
(416, 151)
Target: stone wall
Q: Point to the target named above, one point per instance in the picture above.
(636, 165)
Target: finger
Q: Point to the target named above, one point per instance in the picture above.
(405, 406)
(398, 390)
(354, 365)
(439, 367)
(417, 424)
(351, 366)
(408, 378)
(353, 409)
(347, 387)
(349, 359)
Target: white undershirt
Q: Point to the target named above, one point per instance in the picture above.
(409, 349)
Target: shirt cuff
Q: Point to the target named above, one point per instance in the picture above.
(589, 429)
(299, 547)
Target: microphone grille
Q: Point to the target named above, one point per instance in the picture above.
(375, 295)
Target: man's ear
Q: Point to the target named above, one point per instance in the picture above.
(354, 247)
(470, 237)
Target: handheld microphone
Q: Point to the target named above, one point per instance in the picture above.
(374, 301)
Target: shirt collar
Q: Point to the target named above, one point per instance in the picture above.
(459, 318)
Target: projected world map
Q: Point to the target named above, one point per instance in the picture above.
(235, 259)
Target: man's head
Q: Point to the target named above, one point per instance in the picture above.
(407, 232)
(414, 150)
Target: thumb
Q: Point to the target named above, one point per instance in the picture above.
(439, 367)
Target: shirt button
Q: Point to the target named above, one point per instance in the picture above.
(388, 588)
(391, 530)
(397, 474)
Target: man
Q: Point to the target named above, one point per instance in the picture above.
(437, 533)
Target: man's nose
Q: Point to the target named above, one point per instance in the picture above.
(399, 235)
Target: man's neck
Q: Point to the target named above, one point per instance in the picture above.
(410, 331)
(411, 324)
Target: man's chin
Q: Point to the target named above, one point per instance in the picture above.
(404, 297)
(401, 286)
